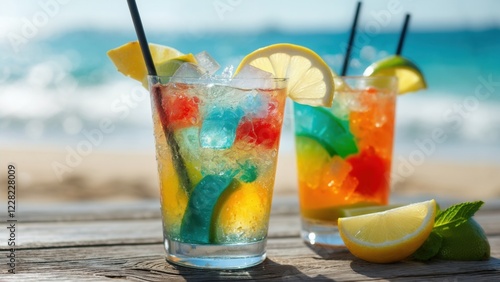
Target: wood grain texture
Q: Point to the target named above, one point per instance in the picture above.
(288, 259)
(123, 242)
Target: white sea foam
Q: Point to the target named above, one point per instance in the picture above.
(470, 132)
(38, 114)
(477, 121)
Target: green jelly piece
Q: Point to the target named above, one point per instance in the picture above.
(249, 172)
(195, 227)
(321, 125)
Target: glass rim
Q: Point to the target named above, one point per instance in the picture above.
(217, 78)
(362, 77)
(365, 77)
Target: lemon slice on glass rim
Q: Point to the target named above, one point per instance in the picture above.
(128, 59)
(410, 78)
(388, 236)
(310, 79)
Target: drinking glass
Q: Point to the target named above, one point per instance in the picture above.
(344, 154)
(217, 141)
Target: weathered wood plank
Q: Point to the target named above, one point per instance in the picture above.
(113, 232)
(288, 259)
(148, 231)
(84, 211)
(123, 242)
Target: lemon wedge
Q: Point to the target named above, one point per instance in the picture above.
(310, 79)
(410, 78)
(128, 60)
(388, 236)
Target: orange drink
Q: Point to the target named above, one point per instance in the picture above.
(344, 154)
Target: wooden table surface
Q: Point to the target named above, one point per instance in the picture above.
(123, 241)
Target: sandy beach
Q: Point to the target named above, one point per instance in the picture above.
(128, 176)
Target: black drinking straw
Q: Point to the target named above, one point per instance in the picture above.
(177, 159)
(141, 36)
(402, 36)
(351, 40)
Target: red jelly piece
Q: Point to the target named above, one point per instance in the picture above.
(260, 131)
(180, 110)
(371, 171)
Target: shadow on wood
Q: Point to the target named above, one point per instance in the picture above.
(267, 271)
(442, 270)
(330, 253)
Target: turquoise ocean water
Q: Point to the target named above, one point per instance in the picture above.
(56, 91)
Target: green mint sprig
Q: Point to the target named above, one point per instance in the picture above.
(446, 221)
(456, 215)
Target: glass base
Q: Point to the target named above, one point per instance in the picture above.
(321, 233)
(230, 256)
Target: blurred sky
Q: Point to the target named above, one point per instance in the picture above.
(239, 15)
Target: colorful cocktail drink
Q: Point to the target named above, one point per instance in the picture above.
(216, 146)
(344, 154)
(217, 140)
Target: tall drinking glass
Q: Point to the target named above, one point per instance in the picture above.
(216, 146)
(344, 154)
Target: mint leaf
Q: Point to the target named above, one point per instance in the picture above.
(456, 215)
(430, 248)
(445, 228)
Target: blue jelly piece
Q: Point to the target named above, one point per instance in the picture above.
(219, 128)
(197, 220)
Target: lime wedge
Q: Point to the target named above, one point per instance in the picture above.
(467, 241)
(410, 78)
(168, 67)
